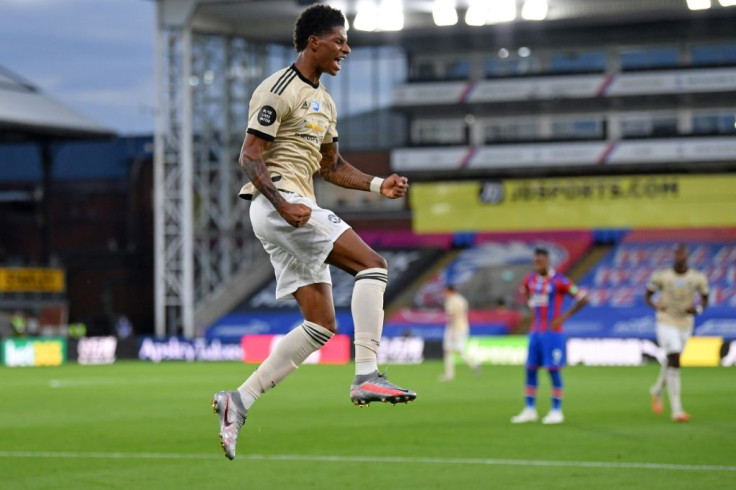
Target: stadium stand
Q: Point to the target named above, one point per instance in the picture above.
(488, 274)
(616, 285)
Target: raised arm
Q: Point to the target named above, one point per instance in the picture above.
(251, 159)
(336, 170)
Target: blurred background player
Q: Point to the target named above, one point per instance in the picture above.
(544, 290)
(675, 319)
(456, 332)
(292, 134)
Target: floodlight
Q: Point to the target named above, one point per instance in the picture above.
(477, 13)
(391, 15)
(698, 4)
(501, 11)
(444, 13)
(535, 10)
(367, 17)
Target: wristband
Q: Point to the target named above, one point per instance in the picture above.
(376, 185)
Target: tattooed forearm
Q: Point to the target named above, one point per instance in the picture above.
(345, 175)
(334, 169)
(258, 174)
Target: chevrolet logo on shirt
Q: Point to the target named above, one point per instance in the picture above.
(316, 127)
(312, 131)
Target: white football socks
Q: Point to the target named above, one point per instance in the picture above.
(449, 365)
(661, 381)
(673, 389)
(288, 354)
(367, 310)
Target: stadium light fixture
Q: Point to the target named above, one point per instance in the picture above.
(727, 3)
(477, 13)
(367, 17)
(698, 4)
(444, 13)
(534, 10)
(391, 15)
(501, 11)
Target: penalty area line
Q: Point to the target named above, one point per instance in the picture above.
(371, 459)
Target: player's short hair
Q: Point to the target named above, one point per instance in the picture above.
(541, 251)
(317, 20)
(450, 287)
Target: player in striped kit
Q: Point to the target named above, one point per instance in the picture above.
(544, 290)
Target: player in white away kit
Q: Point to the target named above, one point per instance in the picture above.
(675, 319)
(292, 133)
(456, 332)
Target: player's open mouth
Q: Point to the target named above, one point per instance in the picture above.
(338, 61)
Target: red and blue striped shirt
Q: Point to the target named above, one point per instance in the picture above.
(544, 295)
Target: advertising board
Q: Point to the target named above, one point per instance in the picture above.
(33, 352)
(652, 201)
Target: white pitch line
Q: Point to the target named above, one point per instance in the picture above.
(373, 459)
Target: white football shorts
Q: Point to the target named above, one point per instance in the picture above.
(454, 341)
(672, 339)
(297, 254)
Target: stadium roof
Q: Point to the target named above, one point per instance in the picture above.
(27, 114)
(273, 20)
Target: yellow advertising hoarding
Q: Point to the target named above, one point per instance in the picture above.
(649, 201)
(702, 351)
(31, 280)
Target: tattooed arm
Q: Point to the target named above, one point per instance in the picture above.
(336, 170)
(251, 159)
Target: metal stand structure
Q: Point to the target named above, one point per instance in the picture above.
(202, 232)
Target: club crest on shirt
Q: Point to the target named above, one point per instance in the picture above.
(333, 218)
(315, 105)
(267, 115)
(538, 299)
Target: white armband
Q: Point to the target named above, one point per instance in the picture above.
(376, 184)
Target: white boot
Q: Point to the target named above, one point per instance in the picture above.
(553, 417)
(526, 415)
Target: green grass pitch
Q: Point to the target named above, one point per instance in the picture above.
(144, 426)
